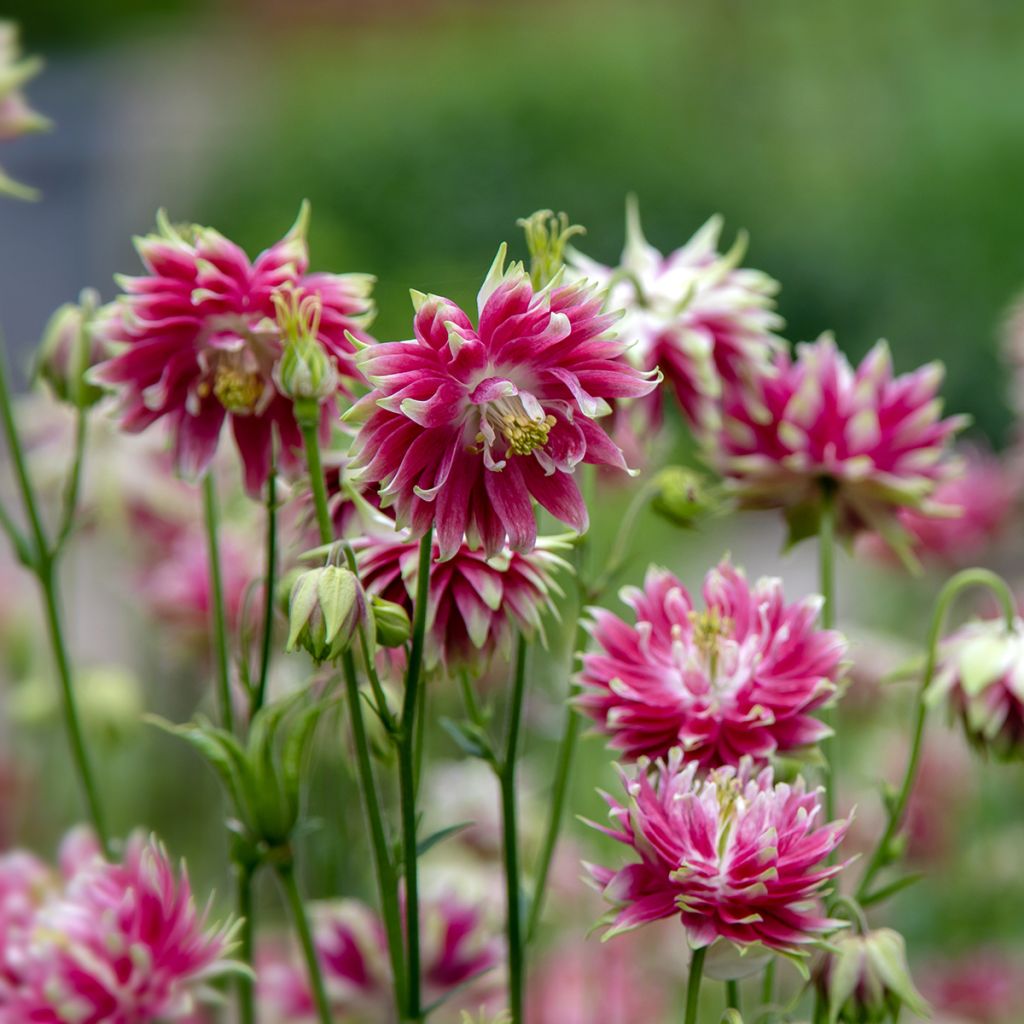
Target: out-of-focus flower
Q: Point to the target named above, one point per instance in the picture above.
(16, 116)
(198, 342)
(865, 979)
(476, 603)
(466, 425)
(738, 678)
(735, 856)
(705, 321)
(814, 423)
(326, 607)
(68, 349)
(976, 504)
(25, 884)
(980, 676)
(985, 987)
(110, 701)
(124, 943)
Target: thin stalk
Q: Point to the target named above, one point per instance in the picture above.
(826, 567)
(693, 985)
(953, 587)
(510, 841)
(219, 618)
(74, 483)
(286, 873)
(243, 905)
(18, 541)
(768, 985)
(270, 582)
(407, 779)
(732, 995)
(385, 872)
(623, 540)
(316, 481)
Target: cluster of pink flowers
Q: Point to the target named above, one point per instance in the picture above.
(198, 341)
(738, 678)
(113, 943)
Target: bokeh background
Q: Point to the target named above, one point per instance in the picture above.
(873, 151)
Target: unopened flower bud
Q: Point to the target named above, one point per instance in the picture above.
(682, 496)
(68, 350)
(546, 238)
(110, 701)
(392, 623)
(305, 372)
(326, 607)
(866, 980)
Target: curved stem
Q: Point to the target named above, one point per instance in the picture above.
(407, 778)
(220, 629)
(244, 909)
(269, 583)
(768, 985)
(947, 595)
(732, 995)
(386, 881)
(623, 539)
(826, 568)
(316, 481)
(693, 985)
(510, 840)
(74, 483)
(286, 872)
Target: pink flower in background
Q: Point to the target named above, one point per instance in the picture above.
(706, 322)
(976, 505)
(735, 856)
(878, 439)
(477, 603)
(466, 425)
(737, 678)
(985, 987)
(25, 884)
(198, 342)
(123, 944)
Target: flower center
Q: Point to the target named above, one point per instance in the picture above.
(237, 389)
(523, 432)
(710, 627)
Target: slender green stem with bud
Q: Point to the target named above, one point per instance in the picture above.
(286, 873)
(317, 482)
(693, 985)
(41, 558)
(882, 854)
(270, 579)
(211, 517)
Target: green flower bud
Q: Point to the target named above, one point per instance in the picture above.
(682, 496)
(305, 373)
(110, 701)
(392, 623)
(546, 238)
(67, 350)
(324, 612)
(866, 980)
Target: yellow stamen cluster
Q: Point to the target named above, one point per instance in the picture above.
(708, 628)
(236, 389)
(523, 434)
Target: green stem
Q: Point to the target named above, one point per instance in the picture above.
(732, 995)
(386, 881)
(74, 484)
(623, 540)
(316, 481)
(18, 541)
(826, 566)
(768, 985)
(510, 840)
(953, 587)
(693, 985)
(286, 872)
(220, 629)
(407, 778)
(469, 700)
(244, 908)
(269, 585)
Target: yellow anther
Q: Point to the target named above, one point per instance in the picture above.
(236, 389)
(525, 435)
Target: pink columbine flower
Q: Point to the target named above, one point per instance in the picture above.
(813, 422)
(124, 944)
(25, 884)
(477, 603)
(200, 341)
(704, 320)
(467, 424)
(737, 678)
(976, 505)
(985, 987)
(980, 677)
(735, 856)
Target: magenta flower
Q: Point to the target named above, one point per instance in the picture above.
(199, 342)
(737, 678)
(477, 603)
(734, 856)
(124, 944)
(25, 884)
(704, 320)
(465, 425)
(877, 439)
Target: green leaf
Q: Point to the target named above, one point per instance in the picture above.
(440, 836)
(892, 888)
(470, 739)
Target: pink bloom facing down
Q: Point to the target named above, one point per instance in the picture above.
(199, 342)
(734, 856)
(123, 944)
(476, 604)
(467, 424)
(737, 678)
(877, 438)
(707, 323)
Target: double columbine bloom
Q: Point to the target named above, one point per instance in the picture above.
(200, 337)
(738, 677)
(734, 855)
(467, 424)
(705, 321)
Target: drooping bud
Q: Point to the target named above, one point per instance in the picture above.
(324, 612)
(866, 980)
(305, 373)
(683, 496)
(391, 621)
(546, 238)
(67, 351)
